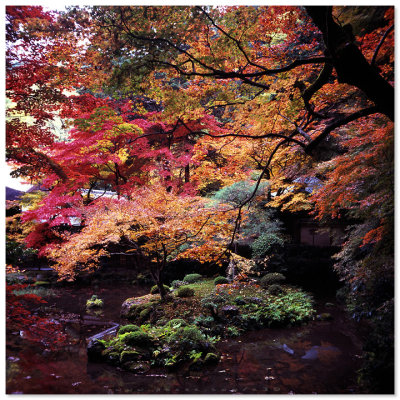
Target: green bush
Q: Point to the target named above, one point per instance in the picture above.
(188, 337)
(275, 289)
(220, 280)
(271, 278)
(192, 278)
(185, 292)
(265, 244)
(127, 328)
(155, 290)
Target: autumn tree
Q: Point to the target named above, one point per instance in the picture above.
(155, 226)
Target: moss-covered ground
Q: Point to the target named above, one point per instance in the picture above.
(183, 330)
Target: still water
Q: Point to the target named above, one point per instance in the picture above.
(321, 357)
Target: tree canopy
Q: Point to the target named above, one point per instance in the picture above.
(162, 106)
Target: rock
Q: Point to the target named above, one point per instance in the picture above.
(211, 358)
(137, 367)
(94, 350)
(329, 305)
(325, 317)
(128, 355)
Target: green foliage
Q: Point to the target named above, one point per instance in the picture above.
(188, 337)
(232, 331)
(94, 302)
(271, 278)
(176, 323)
(238, 192)
(192, 278)
(185, 292)
(17, 254)
(204, 321)
(154, 289)
(265, 244)
(127, 328)
(220, 280)
(128, 355)
(291, 308)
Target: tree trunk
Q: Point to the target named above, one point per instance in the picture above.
(350, 64)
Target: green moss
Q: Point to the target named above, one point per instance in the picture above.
(94, 302)
(41, 283)
(127, 328)
(136, 338)
(185, 291)
(129, 355)
(211, 358)
(155, 289)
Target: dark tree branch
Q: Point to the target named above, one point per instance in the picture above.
(373, 61)
(338, 123)
(350, 64)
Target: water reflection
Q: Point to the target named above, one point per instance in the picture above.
(320, 357)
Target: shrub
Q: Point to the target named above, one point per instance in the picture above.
(175, 284)
(155, 290)
(192, 278)
(273, 277)
(265, 244)
(94, 302)
(220, 280)
(204, 321)
(185, 292)
(188, 337)
(275, 289)
(127, 328)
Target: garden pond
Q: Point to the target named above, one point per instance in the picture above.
(319, 357)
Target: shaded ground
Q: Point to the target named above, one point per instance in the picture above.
(321, 357)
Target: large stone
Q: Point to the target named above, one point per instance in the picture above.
(94, 350)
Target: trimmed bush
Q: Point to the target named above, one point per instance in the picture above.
(155, 290)
(220, 280)
(275, 289)
(273, 277)
(185, 292)
(127, 328)
(192, 278)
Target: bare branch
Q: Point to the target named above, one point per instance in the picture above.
(380, 44)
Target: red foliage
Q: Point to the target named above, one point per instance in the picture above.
(31, 327)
